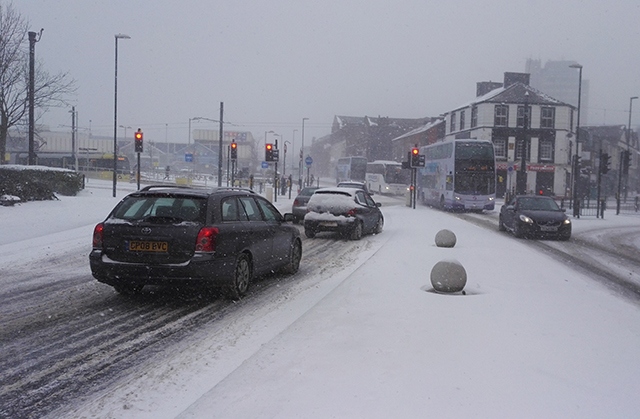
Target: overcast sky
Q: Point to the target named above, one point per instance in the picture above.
(274, 62)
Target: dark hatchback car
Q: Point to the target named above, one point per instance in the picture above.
(534, 216)
(299, 207)
(350, 212)
(220, 237)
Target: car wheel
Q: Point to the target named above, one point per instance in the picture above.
(356, 233)
(379, 226)
(501, 226)
(128, 289)
(241, 277)
(310, 233)
(294, 258)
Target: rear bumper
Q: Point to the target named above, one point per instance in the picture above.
(340, 225)
(200, 269)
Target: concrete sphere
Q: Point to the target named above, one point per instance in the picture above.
(445, 238)
(448, 276)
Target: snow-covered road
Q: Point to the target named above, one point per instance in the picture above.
(353, 334)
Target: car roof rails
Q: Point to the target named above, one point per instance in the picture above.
(148, 188)
(232, 188)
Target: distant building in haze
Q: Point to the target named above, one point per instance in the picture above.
(560, 81)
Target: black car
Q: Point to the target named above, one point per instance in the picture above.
(535, 216)
(350, 212)
(221, 237)
(299, 207)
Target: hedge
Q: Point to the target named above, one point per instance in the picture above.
(38, 183)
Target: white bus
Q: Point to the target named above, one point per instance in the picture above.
(351, 168)
(388, 177)
(458, 175)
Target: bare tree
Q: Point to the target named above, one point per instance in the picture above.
(14, 76)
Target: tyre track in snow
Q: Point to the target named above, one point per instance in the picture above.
(67, 338)
(604, 255)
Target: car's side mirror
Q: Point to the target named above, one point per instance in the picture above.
(511, 207)
(378, 204)
(288, 216)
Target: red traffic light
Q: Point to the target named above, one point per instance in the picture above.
(269, 146)
(234, 145)
(415, 151)
(138, 141)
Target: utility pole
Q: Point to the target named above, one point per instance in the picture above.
(33, 38)
(220, 145)
(74, 158)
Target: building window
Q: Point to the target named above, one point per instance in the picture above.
(520, 121)
(500, 148)
(452, 126)
(474, 116)
(519, 147)
(461, 120)
(547, 117)
(501, 116)
(546, 150)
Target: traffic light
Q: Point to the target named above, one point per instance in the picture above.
(268, 152)
(138, 141)
(234, 151)
(415, 158)
(605, 163)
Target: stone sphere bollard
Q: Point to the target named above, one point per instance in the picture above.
(445, 238)
(448, 276)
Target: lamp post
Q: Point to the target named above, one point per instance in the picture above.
(125, 130)
(293, 148)
(301, 155)
(626, 179)
(115, 115)
(284, 158)
(521, 180)
(576, 175)
(200, 118)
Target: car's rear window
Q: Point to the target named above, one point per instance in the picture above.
(179, 207)
(308, 191)
(331, 201)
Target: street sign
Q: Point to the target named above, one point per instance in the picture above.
(265, 165)
(188, 157)
(308, 161)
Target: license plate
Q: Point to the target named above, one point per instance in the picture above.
(329, 224)
(548, 228)
(146, 246)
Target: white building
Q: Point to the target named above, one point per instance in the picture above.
(498, 114)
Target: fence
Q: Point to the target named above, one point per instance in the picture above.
(589, 207)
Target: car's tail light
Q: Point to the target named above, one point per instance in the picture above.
(98, 233)
(296, 203)
(351, 212)
(206, 241)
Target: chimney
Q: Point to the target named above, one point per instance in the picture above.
(512, 78)
(484, 87)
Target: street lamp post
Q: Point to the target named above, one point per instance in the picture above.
(576, 175)
(302, 156)
(199, 118)
(284, 158)
(626, 179)
(293, 148)
(521, 180)
(115, 115)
